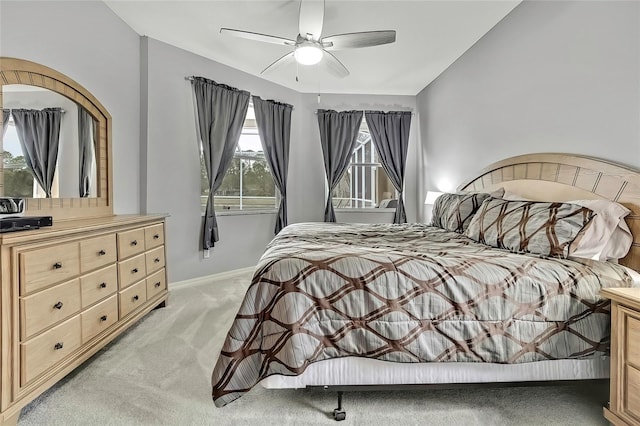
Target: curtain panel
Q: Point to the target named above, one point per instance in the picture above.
(86, 144)
(390, 135)
(338, 136)
(220, 115)
(5, 121)
(274, 126)
(39, 137)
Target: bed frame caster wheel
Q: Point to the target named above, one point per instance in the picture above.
(339, 414)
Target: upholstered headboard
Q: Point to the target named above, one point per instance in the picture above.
(563, 177)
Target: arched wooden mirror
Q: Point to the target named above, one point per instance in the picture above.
(81, 184)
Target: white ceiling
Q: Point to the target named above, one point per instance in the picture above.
(430, 36)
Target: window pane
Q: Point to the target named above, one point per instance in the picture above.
(248, 184)
(365, 183)
(18, 180)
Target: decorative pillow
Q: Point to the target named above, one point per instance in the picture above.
(533, 227)
(607, 238)
(453, 212)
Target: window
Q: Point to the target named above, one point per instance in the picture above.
(248, 184)
(365, 183)
(18, 180)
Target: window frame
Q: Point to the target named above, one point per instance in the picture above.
(37, 192)
(238, 153)
(364, 128)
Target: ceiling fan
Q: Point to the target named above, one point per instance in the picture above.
(310, 47)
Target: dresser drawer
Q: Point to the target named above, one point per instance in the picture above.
(132, 298)
(130, 243)
(132, 270)
(40, 353)
(98, 285)
(154, 259)
(46, 266)
(154, 236)
(97, 252)
(99, 318)
(156, 283)
(47, 307)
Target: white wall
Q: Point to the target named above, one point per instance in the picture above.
(561, 76)
(87, 42)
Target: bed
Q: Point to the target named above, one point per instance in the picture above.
(352, 304)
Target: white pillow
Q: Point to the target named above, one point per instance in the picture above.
(608, 236)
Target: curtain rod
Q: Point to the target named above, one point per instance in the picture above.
(61, 110)
(365, 110)
(191, 78)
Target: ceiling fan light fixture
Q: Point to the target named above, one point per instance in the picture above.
(308, 53)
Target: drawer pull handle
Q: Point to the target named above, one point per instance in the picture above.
(102, 253)
(157, 284)
(58, 345)
(58, 305)
(134, 271)
(156, 260)
(103, 318)
(135, 297)
(57, 265)
(134, 242)
(156, 236)
(103, 285)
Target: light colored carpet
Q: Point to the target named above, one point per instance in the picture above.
(158, 373)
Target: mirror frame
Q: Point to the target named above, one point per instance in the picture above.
(20, 71)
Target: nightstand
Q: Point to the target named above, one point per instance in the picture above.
(624, 395)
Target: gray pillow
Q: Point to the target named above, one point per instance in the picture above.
(453, 212)
(541, 228)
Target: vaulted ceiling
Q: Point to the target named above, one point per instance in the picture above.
(430, 36)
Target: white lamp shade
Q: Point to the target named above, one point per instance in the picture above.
(432, 196)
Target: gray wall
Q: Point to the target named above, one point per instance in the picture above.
(90, 44)
(172, 172)
(550, 77)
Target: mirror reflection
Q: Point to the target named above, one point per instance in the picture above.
(48, 148)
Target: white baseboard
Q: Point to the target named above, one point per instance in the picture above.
(207, 279)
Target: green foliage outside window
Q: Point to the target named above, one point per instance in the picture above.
(18, 180)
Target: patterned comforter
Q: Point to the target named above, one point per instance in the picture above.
(408, 293)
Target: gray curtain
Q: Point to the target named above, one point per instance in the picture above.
(220, 114)
(274, 126)
(338, 136)
(5, 121)
(390, 135)
(86, 143)
(39, 136)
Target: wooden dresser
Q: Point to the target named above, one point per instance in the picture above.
(624, 404)
(67, 291)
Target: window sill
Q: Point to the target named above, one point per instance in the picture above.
(244, 212)
(365, 210)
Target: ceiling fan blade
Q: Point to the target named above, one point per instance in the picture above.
(334, 66)
(354, 40)
(257, 36)
(283, 60)
(311, 19)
